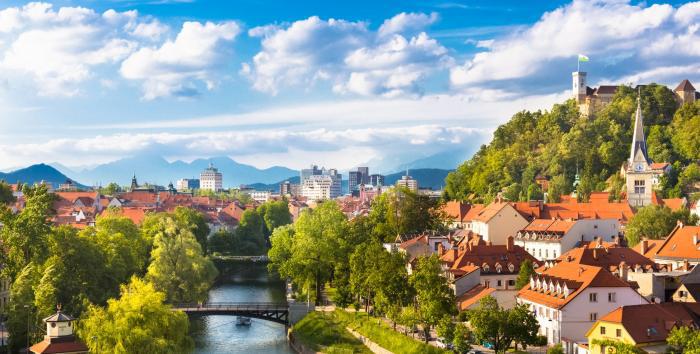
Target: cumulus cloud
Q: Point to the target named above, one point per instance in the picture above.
(620, 38)
(59, 49)
(174, 68)
(390, 61)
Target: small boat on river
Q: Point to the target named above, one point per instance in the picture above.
(243, 321)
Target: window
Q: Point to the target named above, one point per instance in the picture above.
(511, 282)
(612, 297)
(618, 332)
(436, 245)
(639, 187)
(682, 293)
(554, 254)
(593, 316)
(593, 297)
(602, 330)
(546, 253)
(498, 283)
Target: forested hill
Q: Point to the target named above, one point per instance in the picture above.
(553, 143)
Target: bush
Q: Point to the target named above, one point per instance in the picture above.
(557, 349)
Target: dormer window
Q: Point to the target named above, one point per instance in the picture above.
(485, 267)
(511, 267)
(532, 282)
(498, 268)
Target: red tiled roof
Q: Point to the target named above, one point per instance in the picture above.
(47, 347)
(492, 256)
(680, 244)
(608, 256)
(473, 296)
(685, 85)
(652, 322)
(577, 277)
(652, 247)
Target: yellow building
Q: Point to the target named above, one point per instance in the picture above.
(643, 326)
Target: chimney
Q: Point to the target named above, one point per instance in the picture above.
(695, 239)
(489, 243)
(645, 246)
(441, 249)
(686, 264)
(623, 271)
(510, 245)
(595, 253)
(680, 224)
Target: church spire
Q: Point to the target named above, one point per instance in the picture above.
(639, 144)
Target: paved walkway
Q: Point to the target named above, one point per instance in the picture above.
(374, 347)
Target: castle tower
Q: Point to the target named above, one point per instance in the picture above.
(685, 92)
(134, 184)
(639, 172)
(579, 86)
(59, 336)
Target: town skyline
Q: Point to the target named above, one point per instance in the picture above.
(408, 81)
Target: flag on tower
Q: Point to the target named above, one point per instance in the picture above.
(582, 58)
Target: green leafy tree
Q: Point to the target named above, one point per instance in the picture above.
(527, 269)
(462, 341)
(178, 267)
(651, 221)
(689, 178)
(111, 189)
(20, 308)
(684, 340)
(500, 327)
(24, 235)
(197, 224)
(434, 297)
(557, 349)
(222, 241)
(534, 192)
(6, 196)
(402, 211)
(137, 322)
(308, 255)
(523, 325)
(685, 131)
(445, 329)
(250, 236)
(275, 214)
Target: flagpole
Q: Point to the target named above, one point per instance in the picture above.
(578, 64)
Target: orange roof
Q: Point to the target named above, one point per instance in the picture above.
(652, 247)
(472, 296)
(47, 346)
(461, 212)
(491, 257)
(488, 212)
(135, 214)
(659, 165)
(609, 256)
(576, 277)
(682, 243)
(652, 322)
(574, 210)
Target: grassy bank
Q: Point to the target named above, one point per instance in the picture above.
(327, 333)
(381, 333)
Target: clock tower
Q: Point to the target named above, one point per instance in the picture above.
(640, 175)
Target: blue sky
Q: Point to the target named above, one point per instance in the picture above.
(335, 83)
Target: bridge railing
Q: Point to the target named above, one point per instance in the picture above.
(248, 306)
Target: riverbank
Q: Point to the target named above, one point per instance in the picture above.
(326, 332)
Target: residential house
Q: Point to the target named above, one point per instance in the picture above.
(569, 298)
(644, 326)
(459, 214)
(689, 288)
(547, 239)
(497, 221)
(681, 248)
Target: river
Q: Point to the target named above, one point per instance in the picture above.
(241, 282)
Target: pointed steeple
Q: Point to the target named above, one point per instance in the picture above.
(639, 144)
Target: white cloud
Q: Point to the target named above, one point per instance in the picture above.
(174, 68)
(348, 55)
(153, 30)
(58, 49)
(620, 38)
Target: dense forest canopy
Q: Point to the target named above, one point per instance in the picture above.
(560, 142)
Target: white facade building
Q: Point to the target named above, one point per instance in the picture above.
(408, 182)
(568, 299)
(261, 196)
(211, 179)
(321, 187)
(547, 239)
(497, 221)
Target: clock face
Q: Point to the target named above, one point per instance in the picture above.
(639, 167)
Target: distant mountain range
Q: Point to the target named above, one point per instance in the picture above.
(35, 174)
(156, 170)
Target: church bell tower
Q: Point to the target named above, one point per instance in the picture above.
(639, 172)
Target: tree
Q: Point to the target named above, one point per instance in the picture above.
(462, 339)
(196, 222)
(21, 295)
(651, 221)
(557, 349)
(275, 214)
(137, 322)
(178, 268)
(6, 196)
(685, 130)
(308, 255)
(24, 235)
(402, 211)
(124, 248)
(445, 329)
(527, 269)
(534, 192)
(250, 236)
(434, 297)
(493, 324)
(684, 340)
(111, 189)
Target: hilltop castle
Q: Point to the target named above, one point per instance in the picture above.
(590, 100)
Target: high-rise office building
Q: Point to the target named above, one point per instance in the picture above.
(326, 185)
(408, 182)
(358, 177)
(364, 171)
(376, 180)
(211, 179)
